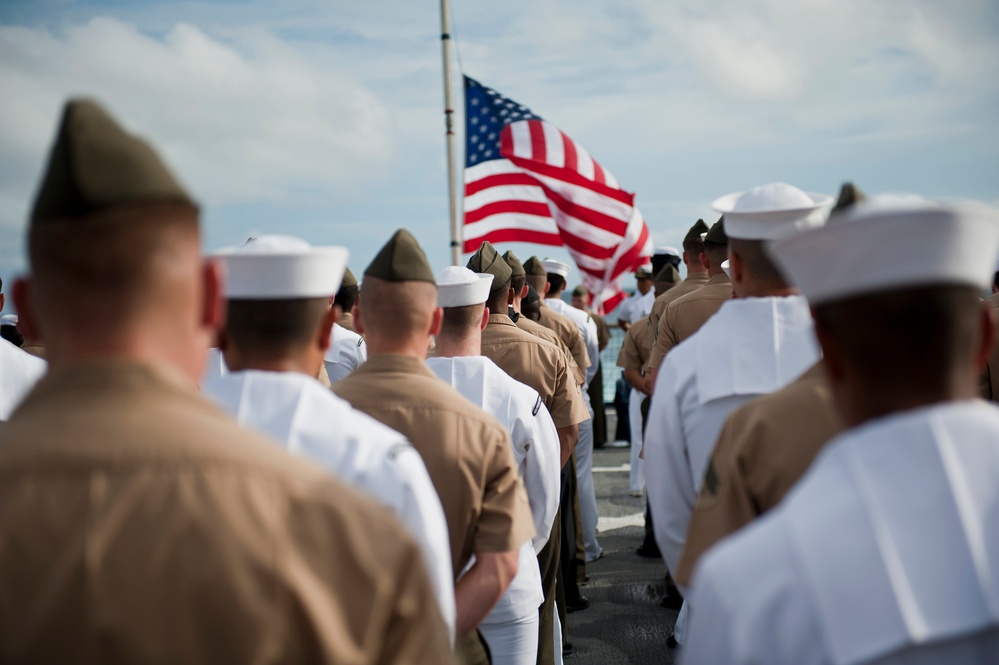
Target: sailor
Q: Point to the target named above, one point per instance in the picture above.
(345, 298)
(564, 327)
(518, 282)
(885, 550)
(632, 360)
(763, 450)
(511, 629)
(686, 314)
(665, 280)
(665, 256)
(755, 344)
(639, 304)
(277, 329)
(541, 365)
(21, 371)
(557, 274)
(139, 523)
(697, 273)
(466, 451)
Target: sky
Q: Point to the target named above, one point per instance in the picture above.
(323, 119)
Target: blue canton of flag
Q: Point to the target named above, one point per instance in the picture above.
(488, 113)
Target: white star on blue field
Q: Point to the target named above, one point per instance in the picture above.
(325, 120)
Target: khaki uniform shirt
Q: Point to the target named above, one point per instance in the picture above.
(694, 281)
(467, 452)
(568, 332)
(684, 316)
(142, 525)
(550, 335)
(990, 375)
(762, 451)
(537, 363)
(634, 353)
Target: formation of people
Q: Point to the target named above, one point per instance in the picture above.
(251, 455)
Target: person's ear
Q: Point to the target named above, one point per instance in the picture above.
(737, 267)
(485, 318)
(213, 306)
(436, 321)
(988, 337)
(702, 258)
(3, 301)
(510, 294)
(523, 292)
(26, 321)
(832, 356)
(548, 287)
(358, 315)
(325, 330)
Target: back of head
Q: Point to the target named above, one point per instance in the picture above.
(400, 295)
(112, 235)
(693, 243)
(274, 329)
(346, 295)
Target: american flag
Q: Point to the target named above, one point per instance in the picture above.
(526, 181)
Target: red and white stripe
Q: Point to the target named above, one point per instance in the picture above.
(548, 190)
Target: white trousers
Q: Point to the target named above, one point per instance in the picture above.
(636, 479)
(584, 485)
(515, 642)
(680, 629)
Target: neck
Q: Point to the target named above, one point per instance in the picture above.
(412, 345)
(459, 346)
(553, 295)
(750, 290)
(871, 400)
(238, 362)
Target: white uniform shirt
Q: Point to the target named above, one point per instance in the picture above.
(536, 449)
(311, 421)
(19, 372)
(750, 347)
(587, 328)
(636, 306)
(886, 551)
(347, 351)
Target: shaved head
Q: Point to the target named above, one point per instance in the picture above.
(396, 309)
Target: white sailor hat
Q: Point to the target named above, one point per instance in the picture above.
(726, 266)
(771, 211)
(282, 267)
(666, 250)
(8, 320)
(557, 267)
(457, 286)
(891, 243)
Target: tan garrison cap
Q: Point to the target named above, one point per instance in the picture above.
(515, 265)
(848, 196)
(696, 230)
(96, 164)
(668, 275)
(401, 260)
(534, 266)
(488, 261)
(716, 234)
(348, 278)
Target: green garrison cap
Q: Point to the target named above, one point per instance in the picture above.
(96, 164)
(849, 194)
(401, 260)
(488, 261)
(348, 279)
(515, 265)
(696, 230)
(668, 275)
(716, 234)
(534, 266)
(580, 291)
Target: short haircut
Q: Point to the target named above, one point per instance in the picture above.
(110, 263)
(995, 279)
(458, 321)
(557, 281)
(693, 246)
(908, 339)
(757, 263)
(499, 297)
(274, 328)
(538, 282)
(397, 308)
(518, 282)
(346, 297)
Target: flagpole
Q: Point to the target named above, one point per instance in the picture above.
(452, 182)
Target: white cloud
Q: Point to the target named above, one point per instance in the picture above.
(244, 121)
